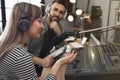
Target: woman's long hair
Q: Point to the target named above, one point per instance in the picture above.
(11, 35)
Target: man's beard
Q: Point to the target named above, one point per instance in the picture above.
(57, 19)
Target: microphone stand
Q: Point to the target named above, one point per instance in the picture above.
(96, 29)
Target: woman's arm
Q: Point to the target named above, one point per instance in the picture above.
(56, 67)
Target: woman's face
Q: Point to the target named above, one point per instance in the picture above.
(35, 28)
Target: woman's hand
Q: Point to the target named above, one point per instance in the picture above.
(69, 57)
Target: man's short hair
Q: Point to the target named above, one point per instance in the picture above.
(63, 2)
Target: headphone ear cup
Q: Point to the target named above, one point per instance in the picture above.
(48, 8)
(23, 24)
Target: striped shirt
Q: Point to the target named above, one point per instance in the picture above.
(18, 65)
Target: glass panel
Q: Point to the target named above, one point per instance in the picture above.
(35, 2)
(0, 27)
(0, 3)
(10, 3)
(0, 15)
(8, 12)
(24, 1)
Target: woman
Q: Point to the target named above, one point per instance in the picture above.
(16, 63)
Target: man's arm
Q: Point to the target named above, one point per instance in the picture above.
(61, 38)
(45, 62)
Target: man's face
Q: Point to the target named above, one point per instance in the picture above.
(57, 12)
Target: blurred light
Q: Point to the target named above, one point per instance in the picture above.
(70, 18)
(78, 12)
(118, 10)
(42, 4)
(85, 17)
(72, 1)
(92, 55)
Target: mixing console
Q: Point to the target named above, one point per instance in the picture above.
(110, 57)
(95, 61)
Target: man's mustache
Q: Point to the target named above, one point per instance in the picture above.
(56, 16)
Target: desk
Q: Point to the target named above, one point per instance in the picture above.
(61, 74)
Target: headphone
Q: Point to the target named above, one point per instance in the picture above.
(48, 8)
(23, 23)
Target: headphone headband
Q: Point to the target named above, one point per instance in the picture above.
(22, 8)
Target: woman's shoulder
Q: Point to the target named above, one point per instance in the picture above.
(18, 52)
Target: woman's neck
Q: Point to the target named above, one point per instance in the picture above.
(24, 40)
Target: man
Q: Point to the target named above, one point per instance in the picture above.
(52, 34)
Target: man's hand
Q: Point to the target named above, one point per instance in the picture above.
(40, 78)
(47, 62)
(54, 25)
